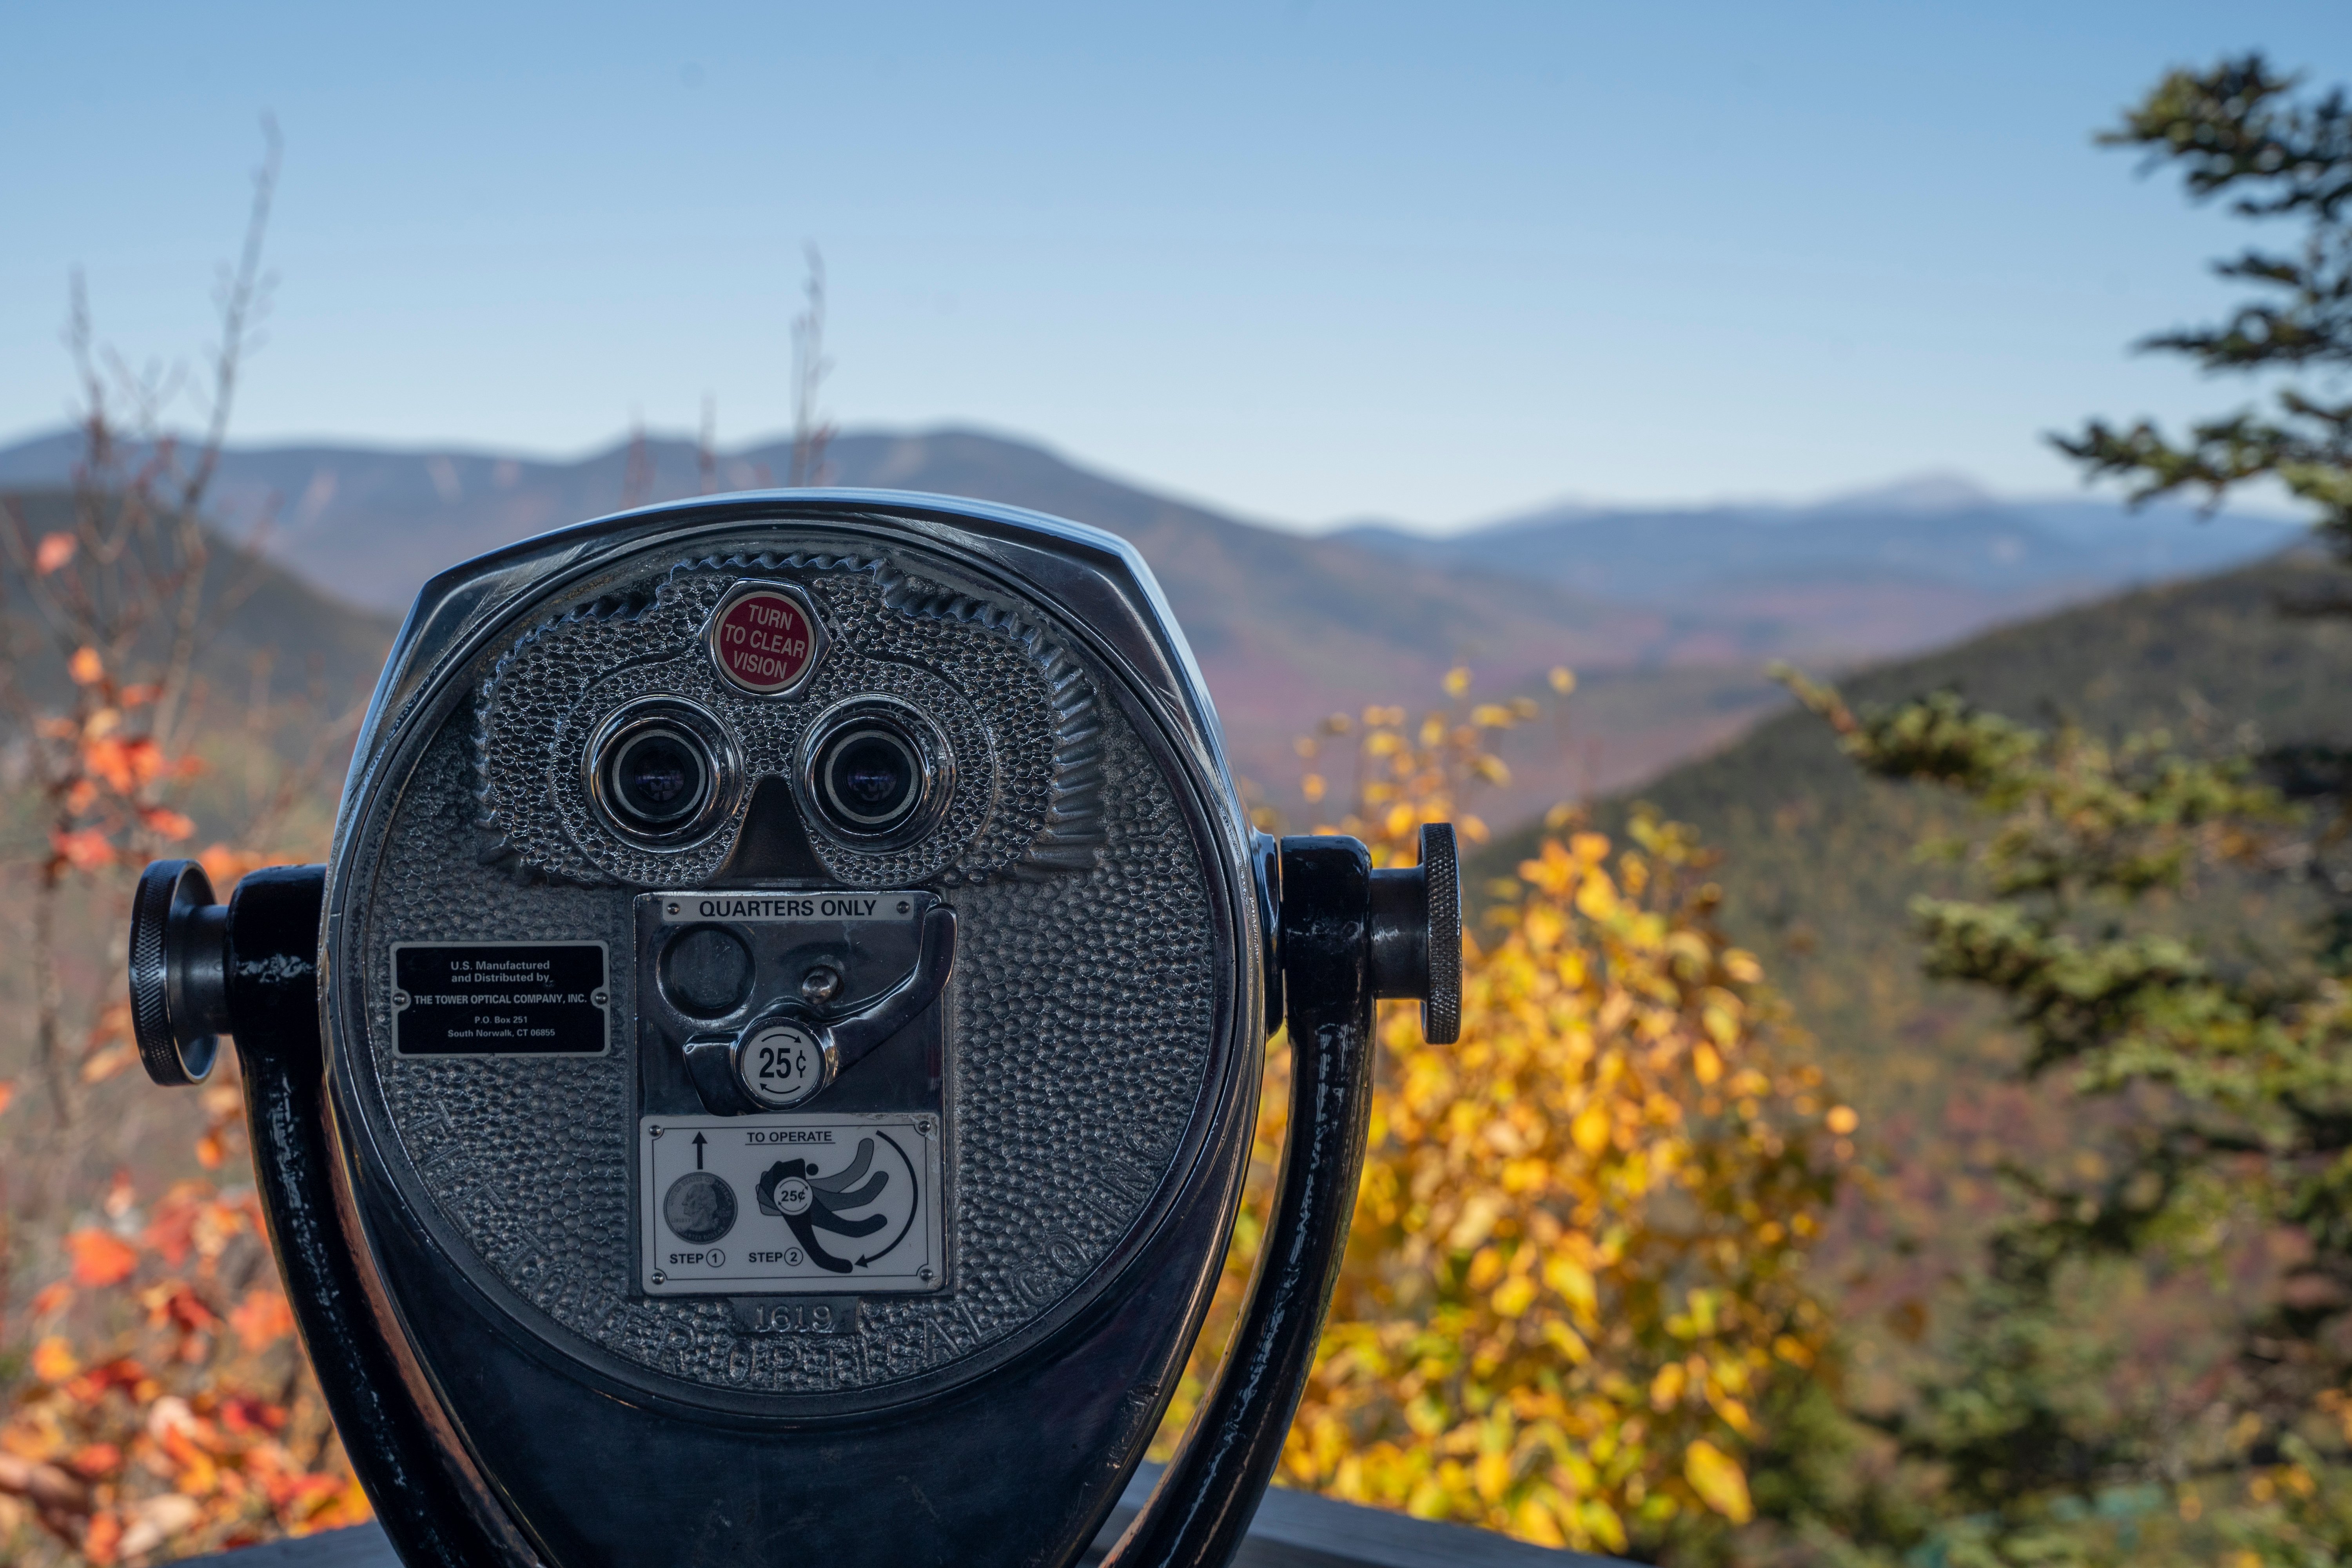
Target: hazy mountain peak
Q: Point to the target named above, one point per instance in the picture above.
(1918, 494)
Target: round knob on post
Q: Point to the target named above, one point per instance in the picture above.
(179, 972)
(1417, 934)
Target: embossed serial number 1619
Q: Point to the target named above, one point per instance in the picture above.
(795, 1317)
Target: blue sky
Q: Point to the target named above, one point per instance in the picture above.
(1304, 260)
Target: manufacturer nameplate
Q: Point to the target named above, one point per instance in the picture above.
(498, 999)
(685, 909)
(802, 1203)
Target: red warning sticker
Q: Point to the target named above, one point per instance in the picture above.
(764, 640)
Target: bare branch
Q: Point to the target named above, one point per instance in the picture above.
(810, 367)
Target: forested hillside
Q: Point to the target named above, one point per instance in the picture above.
(1819, 863)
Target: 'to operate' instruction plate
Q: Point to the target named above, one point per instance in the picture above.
(797, 1203)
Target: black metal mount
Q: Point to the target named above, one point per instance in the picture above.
(262, 946)
(1345, 934)
(1348, 934)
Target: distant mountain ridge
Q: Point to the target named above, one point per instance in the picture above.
(1286, 628)
(1670, 614)
(1939, 530)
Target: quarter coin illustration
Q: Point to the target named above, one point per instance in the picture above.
(698, 1207)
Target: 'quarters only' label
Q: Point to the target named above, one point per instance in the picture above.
(498, 999)
(685, 909)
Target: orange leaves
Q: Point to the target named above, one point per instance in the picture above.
(175, 1306)
(125, 765)
(85, 849)
(224, 864)
(187, 1445)
(54, 1361)
(54, 551)
(192, 1217)
(1550, 1251)
(224, 1118)
(107, 774)
(166, 824)
(102, 1543)
(111, 1047)
(95, 1461)
(262, 1319)
(100, 1259)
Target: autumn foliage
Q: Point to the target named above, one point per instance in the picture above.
(1576, 1275)
(154, 1399)
(165, 1405)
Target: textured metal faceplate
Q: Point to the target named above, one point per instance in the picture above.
(1018, 714)
(1083, 1018)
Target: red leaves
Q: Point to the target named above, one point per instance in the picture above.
(99, 1258)
(173, 1304)
(249, 1416)
(192, 1216)
(85, 849)
(166, 824)
(123, 765)
(104, 768)
(95, 1461)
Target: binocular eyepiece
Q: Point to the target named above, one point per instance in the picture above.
(768, 1070)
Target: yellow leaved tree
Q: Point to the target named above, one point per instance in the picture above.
(1576, 1272)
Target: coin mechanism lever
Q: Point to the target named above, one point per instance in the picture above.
(818, 1046)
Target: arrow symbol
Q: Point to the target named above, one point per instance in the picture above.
(699, 1142)
(875, 1258)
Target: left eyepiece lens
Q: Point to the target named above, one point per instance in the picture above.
(659, 777)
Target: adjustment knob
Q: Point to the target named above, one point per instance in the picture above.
(179, 972)
(1416, 936)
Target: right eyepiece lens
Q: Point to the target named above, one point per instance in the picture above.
(659, 777)
(870, 777)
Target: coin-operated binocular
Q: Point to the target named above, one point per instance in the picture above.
(768, 1070)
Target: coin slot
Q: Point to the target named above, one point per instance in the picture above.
(706, 971)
